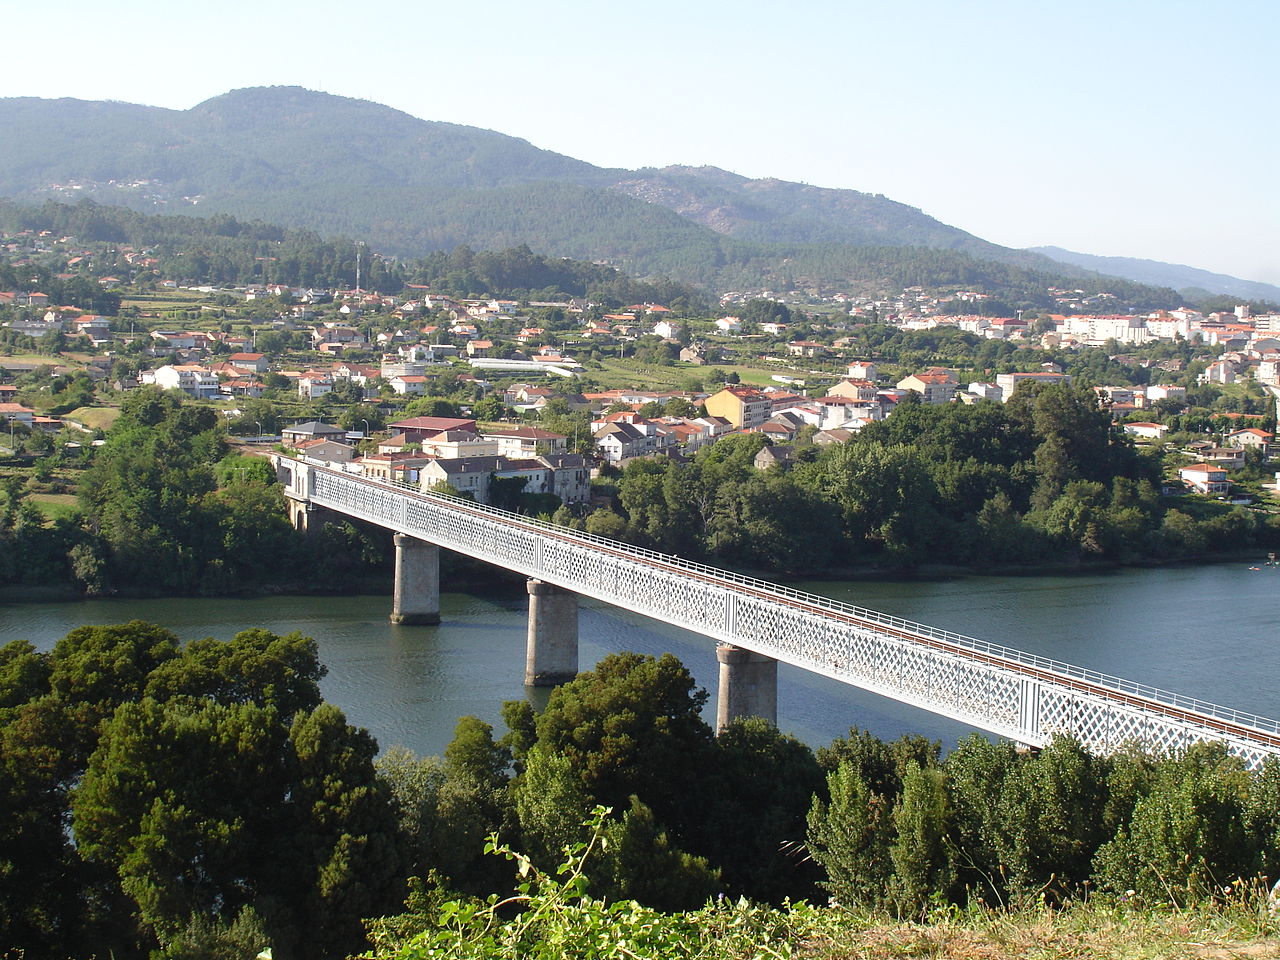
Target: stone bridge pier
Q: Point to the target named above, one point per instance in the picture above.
(551, 655)
(417, 590)
(748, 682)
(748, 686)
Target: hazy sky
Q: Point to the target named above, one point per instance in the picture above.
(1143, 128)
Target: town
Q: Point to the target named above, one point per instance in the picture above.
(506, 372)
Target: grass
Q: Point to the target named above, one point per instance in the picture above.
(561, 921)
(53, 505)
(40, 359)
(168, 300)
(615, 373)
(758, 376)
(1096, 929)
(95, 418)
(1092, 930)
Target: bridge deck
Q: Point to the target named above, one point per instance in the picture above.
(1006, 691)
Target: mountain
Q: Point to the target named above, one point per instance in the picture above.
(770, 211)
(1175, 275)
(342, 166)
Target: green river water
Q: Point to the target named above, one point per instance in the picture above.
(1209, 632)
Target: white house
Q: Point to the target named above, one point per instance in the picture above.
(409, 385)
(1205, 478)
(313, 384)
(193, 380)
(1148, 431)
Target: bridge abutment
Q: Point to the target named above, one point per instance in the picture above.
(417, 588)
(551, 656)
(748, 686)
(299, 514)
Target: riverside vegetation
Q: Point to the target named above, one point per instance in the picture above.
(201, 800)
(164, 506)
(1045, 477)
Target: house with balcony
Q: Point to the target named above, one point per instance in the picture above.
(314, 384)
(1205, 478)
(523, 442)
(619, 440)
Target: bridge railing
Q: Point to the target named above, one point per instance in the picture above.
(994, 653)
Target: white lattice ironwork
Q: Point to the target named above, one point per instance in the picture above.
(1008, 692)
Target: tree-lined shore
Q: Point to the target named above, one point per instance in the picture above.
(201, 800)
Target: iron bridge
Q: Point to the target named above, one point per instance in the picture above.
(1021, 696)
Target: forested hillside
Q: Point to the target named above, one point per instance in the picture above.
(341, 166)
(224, 250)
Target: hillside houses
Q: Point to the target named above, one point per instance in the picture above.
(934, 386)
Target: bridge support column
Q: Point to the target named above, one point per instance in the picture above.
(551, 656)
(299, 514)
(748, 686)
(417, 590)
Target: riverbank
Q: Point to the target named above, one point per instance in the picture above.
(464, 575)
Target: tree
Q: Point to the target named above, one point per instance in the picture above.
(154, 807)
(1050, 809)
(343, 863)
(764, 782)
(1189, 835)
(255, 666)
(474, 802)
(490, 409)
(306, 833)
(239, 468)
(976, 771)
(414, 784)
(922, 859)
(96, 669)
(885, 494)
(146, 488)
(774, 521)
(431, 407)
(41, 877)
(880, 764)
(551, 807)
(643, 864)
(633, 726)
(849, 837)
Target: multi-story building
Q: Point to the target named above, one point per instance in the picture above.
(193, 380)
(932, 387)
(744, 407)
(1008, 382)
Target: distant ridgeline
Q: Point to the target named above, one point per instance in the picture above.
(348, 167)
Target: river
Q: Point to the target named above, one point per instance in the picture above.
(1203, 631)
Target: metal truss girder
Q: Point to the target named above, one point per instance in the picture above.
(1018, 697)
